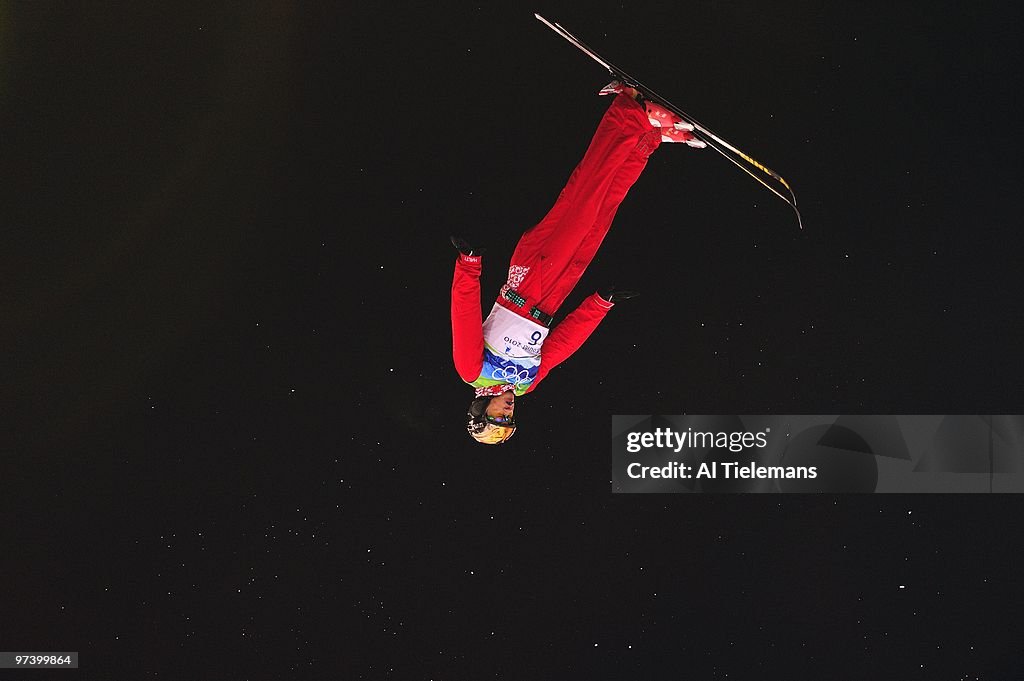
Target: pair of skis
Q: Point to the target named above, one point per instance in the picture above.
(744, 162)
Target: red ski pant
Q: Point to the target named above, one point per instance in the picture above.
(552, 256)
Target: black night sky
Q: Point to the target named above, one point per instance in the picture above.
(234, 443)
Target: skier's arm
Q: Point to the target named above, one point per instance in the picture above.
(570, 334)
(467, 324)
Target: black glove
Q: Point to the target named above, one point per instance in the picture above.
(614, 295)
(464, 247)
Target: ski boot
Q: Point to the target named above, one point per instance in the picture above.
(673, 128)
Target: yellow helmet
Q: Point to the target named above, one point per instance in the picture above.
(489, 430)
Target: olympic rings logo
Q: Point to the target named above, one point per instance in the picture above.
(509, 374)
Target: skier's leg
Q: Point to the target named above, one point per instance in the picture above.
(546, 250)
(561, 283)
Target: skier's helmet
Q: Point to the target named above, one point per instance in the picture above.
(490, 430)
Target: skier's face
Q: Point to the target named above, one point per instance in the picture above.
(503, 405)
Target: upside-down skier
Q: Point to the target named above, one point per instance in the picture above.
(510, 352)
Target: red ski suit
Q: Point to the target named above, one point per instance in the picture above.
(548, 262)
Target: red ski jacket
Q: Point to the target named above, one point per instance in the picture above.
(511, 347)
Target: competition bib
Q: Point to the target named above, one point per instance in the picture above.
(511, 349)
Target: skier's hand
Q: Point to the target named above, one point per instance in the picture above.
(614, 295)
(464, 248)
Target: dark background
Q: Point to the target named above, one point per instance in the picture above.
(234, 443)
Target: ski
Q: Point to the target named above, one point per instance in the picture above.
(700, 131)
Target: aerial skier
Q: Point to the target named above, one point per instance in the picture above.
(510, 352)
(501, 357)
